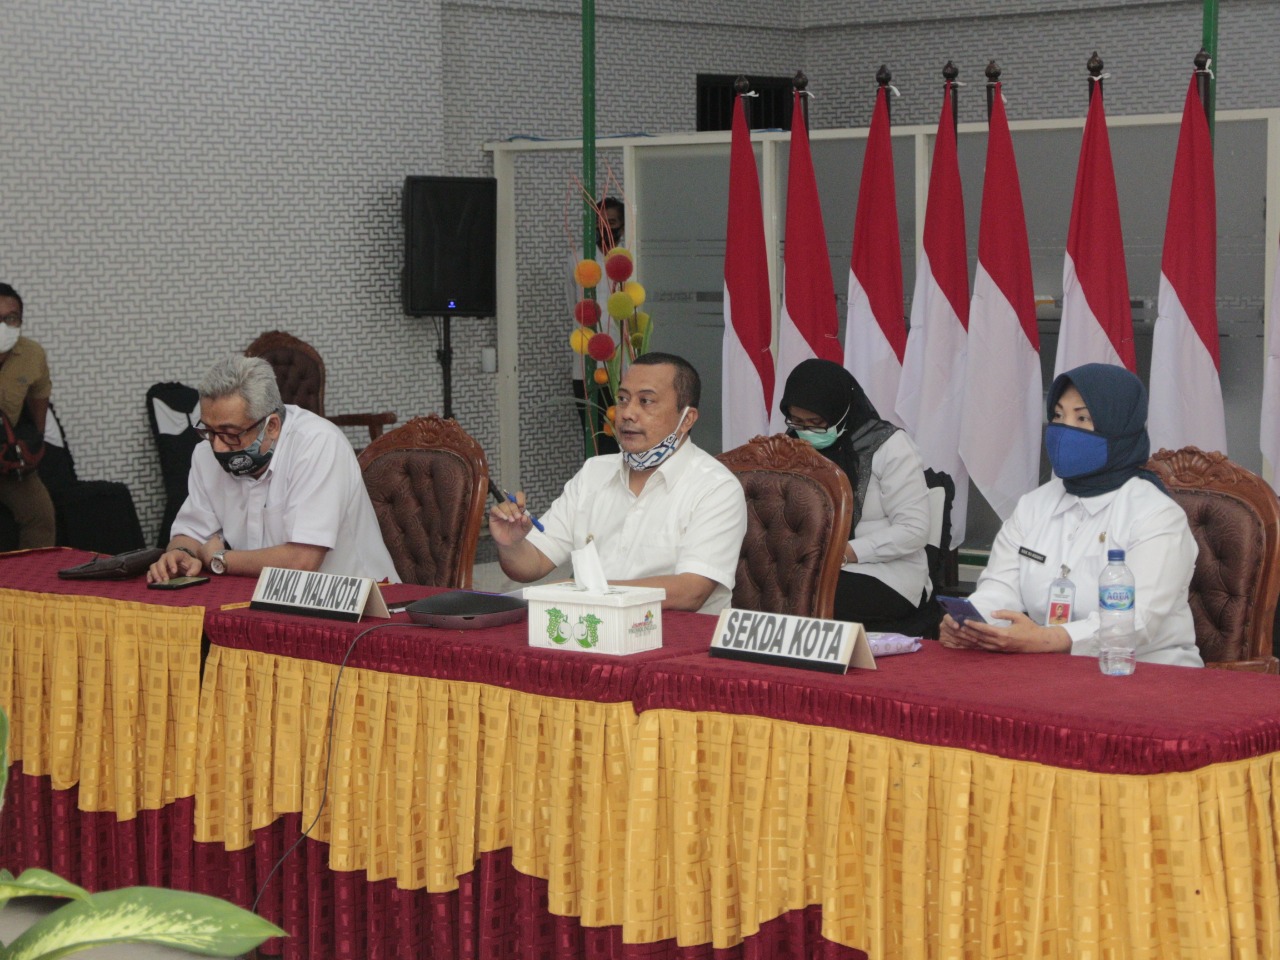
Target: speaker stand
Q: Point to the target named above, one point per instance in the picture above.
(445, 356)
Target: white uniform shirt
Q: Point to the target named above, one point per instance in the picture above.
(311, 492)
(894, 527)
(1062, 528)
(690, 517)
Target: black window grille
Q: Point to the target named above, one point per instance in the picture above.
(771, 110)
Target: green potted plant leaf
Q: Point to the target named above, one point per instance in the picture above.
(185, 921)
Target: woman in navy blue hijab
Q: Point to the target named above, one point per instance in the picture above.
(1101, 498)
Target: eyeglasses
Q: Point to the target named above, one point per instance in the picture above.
(12, 319)
(230, 438)
(817, 423)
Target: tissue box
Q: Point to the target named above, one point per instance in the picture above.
(564, 616)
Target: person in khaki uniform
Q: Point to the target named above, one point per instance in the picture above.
(24, 389)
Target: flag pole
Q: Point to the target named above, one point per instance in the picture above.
(883, 77)
(800, 82)
(949, 73)
(590, 211)
(742, 87)
(1095, 74)
(993, 78)
(1210, 40)
(1204, 86)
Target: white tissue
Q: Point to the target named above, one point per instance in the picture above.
(587, 571)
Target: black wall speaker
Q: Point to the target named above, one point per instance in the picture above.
(450, 244)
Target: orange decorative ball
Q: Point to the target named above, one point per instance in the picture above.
(586, 273)
(611, 413)
(600, 376)
(608, 429)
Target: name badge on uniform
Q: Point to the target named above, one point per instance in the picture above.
(1062, 598)
(1031, 554)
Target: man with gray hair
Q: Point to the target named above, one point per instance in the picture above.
(276, 486)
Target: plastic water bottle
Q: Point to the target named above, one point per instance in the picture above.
(1118, 640)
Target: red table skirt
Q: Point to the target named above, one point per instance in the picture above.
(496, 913)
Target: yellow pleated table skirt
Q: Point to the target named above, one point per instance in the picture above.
(102, 695)
(917, 851)
(423, 775)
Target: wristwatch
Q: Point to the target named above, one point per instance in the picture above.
(218, 562)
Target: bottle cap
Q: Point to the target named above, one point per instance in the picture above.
(1115, 556)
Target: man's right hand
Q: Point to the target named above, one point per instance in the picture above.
(509, 524)
(173, 563)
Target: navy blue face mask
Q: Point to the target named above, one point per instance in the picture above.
(1074, 452)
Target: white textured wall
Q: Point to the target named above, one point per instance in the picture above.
(179, 177)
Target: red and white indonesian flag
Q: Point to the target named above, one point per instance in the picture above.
(1003, 400)
(931, 393)
(1186, 393)
(875, 337)
(747, 391)
(1097, 322)
(1270, 437)
(808, 327)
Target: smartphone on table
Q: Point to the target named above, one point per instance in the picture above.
(176, 583)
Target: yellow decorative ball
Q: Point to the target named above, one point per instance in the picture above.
(621, 305)
(641, 323)
(635, 291)
(579, 339)
(586, 273)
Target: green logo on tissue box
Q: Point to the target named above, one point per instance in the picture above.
(586, 632)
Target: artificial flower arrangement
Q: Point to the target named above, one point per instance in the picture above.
(610, 359)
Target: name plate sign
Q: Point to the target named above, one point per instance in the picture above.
(318, 594)
(831, 646)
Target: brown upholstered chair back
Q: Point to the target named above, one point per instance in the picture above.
(799, 507)
(300, 375)
(1235, 518)
(299, 369)
(428, 481)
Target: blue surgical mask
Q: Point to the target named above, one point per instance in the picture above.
(1074, 452)
(648, 459)
(246, 462)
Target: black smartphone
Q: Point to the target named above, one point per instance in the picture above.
(960, 609)
(176, 583)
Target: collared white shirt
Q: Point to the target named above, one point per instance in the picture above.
(1062, 528)
(690, 517)
(894, 527)
(311, 492)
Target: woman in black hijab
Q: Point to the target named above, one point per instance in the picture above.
(884, 583)
(1101, 499)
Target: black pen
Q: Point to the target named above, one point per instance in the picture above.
(503, 497)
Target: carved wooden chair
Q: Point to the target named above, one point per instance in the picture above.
(428, 480)
(1236, 521)
(300, 374)
(799, 507)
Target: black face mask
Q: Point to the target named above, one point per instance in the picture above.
(246, 462)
